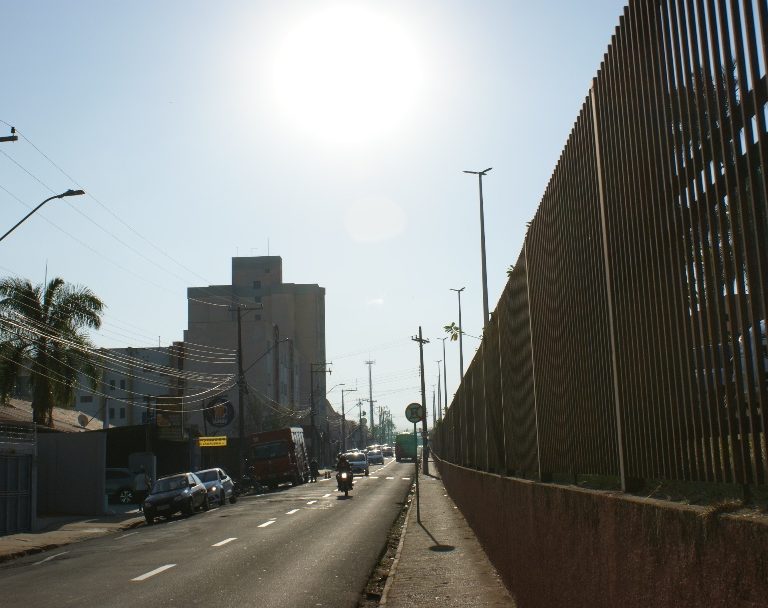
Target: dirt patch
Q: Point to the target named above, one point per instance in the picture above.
(375, 587)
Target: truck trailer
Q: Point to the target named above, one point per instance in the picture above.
(275, 457)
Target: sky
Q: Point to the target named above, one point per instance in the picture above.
(331, 133)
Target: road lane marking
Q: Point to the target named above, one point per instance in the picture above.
(408, 478)
(124, 535)
(326, 495)
(373, 477)
(224, 542)
(311, 502)
(390, 478)
(266, 523)
(292, 511)
(42, 561)
(153, 572)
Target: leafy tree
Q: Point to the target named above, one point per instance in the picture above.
(42, 330)
(453, 330)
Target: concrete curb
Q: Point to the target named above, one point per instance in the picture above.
(6, 557)
(396, 561)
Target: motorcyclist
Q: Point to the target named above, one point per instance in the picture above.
(343, 466)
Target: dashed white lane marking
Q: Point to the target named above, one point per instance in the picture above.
(311, 502)
(373, 477)
(153, 572)
(390, 478)
(50, 557)
(224, 542)
(404, 478)
(292, 511)
(266, 523)
(326, 495)
(124, 535)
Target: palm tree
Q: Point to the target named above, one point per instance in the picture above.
(42, 330)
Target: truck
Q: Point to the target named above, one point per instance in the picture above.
(405, 447)
(279, 456)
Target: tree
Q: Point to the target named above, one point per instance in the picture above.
(42, 330)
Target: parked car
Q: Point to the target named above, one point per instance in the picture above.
(388, 450)
(375, 457)
(219, 485)
(358, 462)
(180, 493)
(119, 485)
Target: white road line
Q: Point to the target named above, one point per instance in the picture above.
(42, 561)
(373, 477)
(224, 542)
(390, 478)
(292, 511)
(266, 523)
(124, 535)
(311, 502)
(326, 495)
(403, 478)
(153, 572)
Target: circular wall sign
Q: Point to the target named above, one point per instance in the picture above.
(414, 412)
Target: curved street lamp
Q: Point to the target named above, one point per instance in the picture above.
(62, 195)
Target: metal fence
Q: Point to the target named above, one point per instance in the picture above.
(630, 339)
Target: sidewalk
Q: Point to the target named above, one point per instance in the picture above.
(66, 529)
(439, 561)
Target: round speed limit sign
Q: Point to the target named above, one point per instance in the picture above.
(414, 412)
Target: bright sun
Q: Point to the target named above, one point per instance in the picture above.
(346, 74)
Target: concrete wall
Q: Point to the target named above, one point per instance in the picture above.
(70, 473)
(563, 546)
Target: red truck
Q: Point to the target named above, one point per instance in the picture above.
(278, 456)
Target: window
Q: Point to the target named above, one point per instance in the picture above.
(86, 399)
(122, 385)
(257, 284)
(122, 412)
(111, 413)
(257, 317)
(257, 299)
(111, 385)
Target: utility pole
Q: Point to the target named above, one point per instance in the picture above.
(434, 413)
(445, 382)
(461, 335)
(480, 175)
(343, 420)
(314, 368)
(425, 450)
(370, 395)
(439, 395)
(11, 137)
(240, 395)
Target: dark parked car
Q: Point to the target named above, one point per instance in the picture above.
(180, 493)
(357, 462)
(388, 450)
(119, 485)
(219, 485)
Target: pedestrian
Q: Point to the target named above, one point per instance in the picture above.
(313, 470)
(143, 486)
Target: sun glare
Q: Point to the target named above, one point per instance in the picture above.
(346, 74)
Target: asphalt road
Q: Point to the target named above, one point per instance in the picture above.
(303, 546)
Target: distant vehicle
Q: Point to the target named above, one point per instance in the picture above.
(405, 447)
(180, 493)
(375, 446)
(278, 456)
(358, 462)
(219, 485)
(388, 450)
(119, 485)
(375, 457)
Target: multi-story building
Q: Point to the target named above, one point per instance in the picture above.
(282, 332)
(135, 386)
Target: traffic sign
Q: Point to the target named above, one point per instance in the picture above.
(414, 412)
(212, 442)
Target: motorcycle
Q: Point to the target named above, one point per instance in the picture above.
(344, 481)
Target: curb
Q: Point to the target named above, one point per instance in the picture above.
(47, 547)
(396, 561)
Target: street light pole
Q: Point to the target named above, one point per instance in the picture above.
(312, 371)
(461, 334)
(445, 382)
(344, 420)
(22, 220)
(482, 243)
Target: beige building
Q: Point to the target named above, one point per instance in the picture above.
(282, 333)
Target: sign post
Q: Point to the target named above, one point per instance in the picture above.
(414, 413)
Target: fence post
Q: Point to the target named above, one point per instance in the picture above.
(609, 291)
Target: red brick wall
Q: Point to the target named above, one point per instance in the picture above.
(564, 546)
